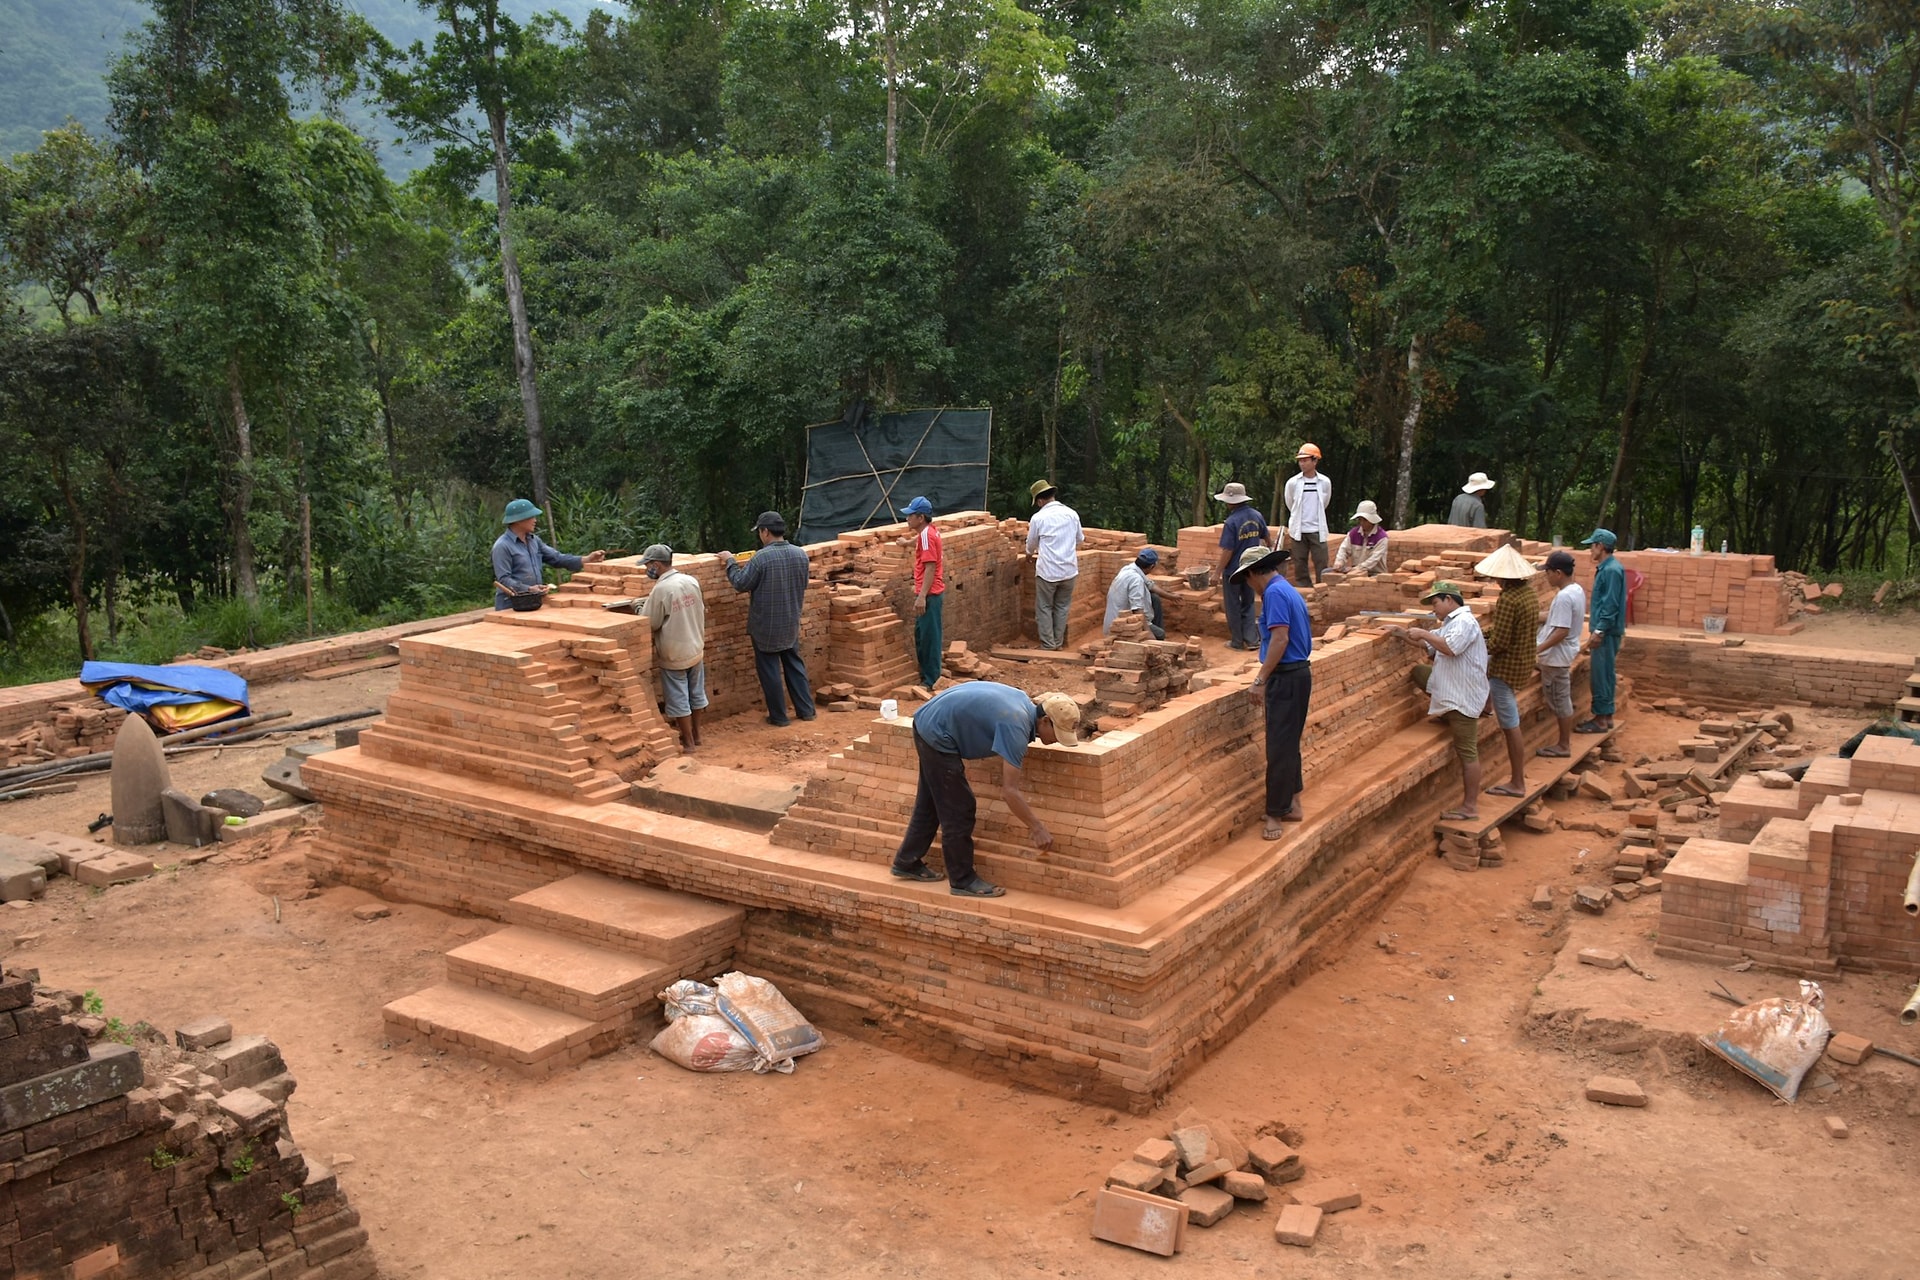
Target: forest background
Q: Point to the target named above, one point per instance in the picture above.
(298, 292)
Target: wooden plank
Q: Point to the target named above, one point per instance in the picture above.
(1496, 810)
(1070, 657)
(351, 668)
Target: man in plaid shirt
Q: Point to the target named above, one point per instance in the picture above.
(1510, 654)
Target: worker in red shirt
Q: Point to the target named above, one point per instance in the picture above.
(929, 589)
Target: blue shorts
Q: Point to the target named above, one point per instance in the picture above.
(686, 690)
(1506, 707)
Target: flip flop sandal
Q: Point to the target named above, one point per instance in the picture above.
(1553, 753)
(1593, 726)
(1459, 815)
(977, 888)
(918, 871)
(1514, 792)
(1272, 830)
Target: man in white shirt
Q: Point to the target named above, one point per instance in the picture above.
(1456, 685)
(1054, 539)
(1559, 645)
(1133, 592)
(1309, 499)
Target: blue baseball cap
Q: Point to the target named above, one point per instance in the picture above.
(520, 509)
(1147, 556)
(919, 507)
(1602, 536)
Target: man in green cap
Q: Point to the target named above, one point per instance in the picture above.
(1606, 628)
(1455, 684)
(518, 555)
(1054, 538)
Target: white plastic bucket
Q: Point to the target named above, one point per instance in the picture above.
(1714, 623)
(889, 709)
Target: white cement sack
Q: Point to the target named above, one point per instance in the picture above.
(1775, 1041)
(759, 1012)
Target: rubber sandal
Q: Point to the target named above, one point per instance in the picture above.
(1593, 726)
(1503, 790)
(918, 871)
(977, 888)
(1459, 815)
(1293, 815)
(1553, 753)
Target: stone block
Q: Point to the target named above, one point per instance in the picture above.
(1274, 1158)
(1298, 1224)
(241, 804)
(109, 1071)
(32, 850)
(372, 911)
(1616, 1091)
(1206, 1205)
(237, 1056)
(1649, 884)
(1601, 958)
(270, 820)
(21, 881)
(1836, 1127)
(1775, 780)
(1592, 784)
(1327, 1196)
(1195, 1145)
(249, 1110)
(284, 775)
(113, 867)
(1242, 1185)
(1209, 1171)
(1542, 899)
(1538, 821)
(1592, 898)
(1848, 1048)
(1152, 1224)
(95, 1263)
(1136, 1176)
(189, 822)
(1227, 1144)
(1157, 1151)
(203, 1033)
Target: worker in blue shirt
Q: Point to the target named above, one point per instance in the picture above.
(519, 555)
(1284, 683)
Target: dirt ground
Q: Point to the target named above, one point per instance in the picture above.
(1418, 1073)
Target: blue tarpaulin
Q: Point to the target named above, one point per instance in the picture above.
(153, 692)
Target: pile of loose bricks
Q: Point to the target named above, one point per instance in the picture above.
(70, 729)
(155, 1160)
(1200, 1173)
(1133, 672)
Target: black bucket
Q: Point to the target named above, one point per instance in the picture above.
(526, 601)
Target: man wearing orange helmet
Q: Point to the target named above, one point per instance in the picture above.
(1309, 499)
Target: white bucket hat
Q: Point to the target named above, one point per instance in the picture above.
(1477, 483)
(1368, 512)
(1505, 563)
(1233, 495)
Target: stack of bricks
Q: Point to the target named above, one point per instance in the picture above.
(557, 702)
(1133, 672)
(1704, 671)
(1810, 893)
(70, 729)
(871, 647)
(1425, 540)
(1681, 590)
(192, 1178)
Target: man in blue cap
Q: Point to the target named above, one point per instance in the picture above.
(929, 590)
(1133, 592)
(518, 555)
(1606, 627)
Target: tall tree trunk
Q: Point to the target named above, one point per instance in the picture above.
(1621, 478)
(243, 577)
(1096, 390)
(890, 56)
(517, 309)
(77, 563)
(1202, 464)
(1053, 411)
(6, 625)
(1409, 427)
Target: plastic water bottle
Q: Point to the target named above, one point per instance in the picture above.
(1723, 546)
(1699, 544)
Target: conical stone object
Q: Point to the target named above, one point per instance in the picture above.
(139, 776)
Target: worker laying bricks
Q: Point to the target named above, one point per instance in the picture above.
(1364, 549)
(929, 590)
(1511, 655)
(776, 583)
(519, 556)
(1455, 684)
(1244, 529)
(677, 611)
(1054, 539)
(1309, 498)
(1606, 629)
(1284, 683)
(971, 722)
(1133, 592)
(1558, 644)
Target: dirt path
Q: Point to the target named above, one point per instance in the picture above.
(1411, 1072)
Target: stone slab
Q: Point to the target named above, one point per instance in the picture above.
(1616, 1091)
(1206, 1205)
(30, 849)
(1151, 1224)
(1299, 1224)
(203, 1033)
(284, 775)
(1325, 1195)
(188, 821)
(270, 820)
(21, 881)
(116, 866)
(1848, 1048)
(1136, 1176)
(697, 790)
(499, 1026)
(110, 1070)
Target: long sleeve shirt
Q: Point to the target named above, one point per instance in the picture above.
(518, 564)
(1308, 502)
(776, 577)
(1510, 642)
(1359, 553)
(1609, 617)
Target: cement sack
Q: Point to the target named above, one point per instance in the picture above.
(1775, 1041)
(687, 997)
(758, 1011)
(706, 1042)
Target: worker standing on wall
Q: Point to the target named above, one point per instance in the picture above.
(929, 591)
(519, 555)
(1455, 684)
(676, 609)
(1054, 539)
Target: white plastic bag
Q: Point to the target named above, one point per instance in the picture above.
(760, 1013)
(1775, 1041)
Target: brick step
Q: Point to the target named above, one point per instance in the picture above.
(694, 936)
(1908, 707)
(512, 1032)
(558, 971)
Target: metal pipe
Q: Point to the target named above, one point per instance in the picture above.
(1912, 897)
(1911, 1014)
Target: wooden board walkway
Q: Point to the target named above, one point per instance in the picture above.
(1496, 810)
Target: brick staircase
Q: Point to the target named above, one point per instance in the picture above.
(580, 962)
(872, 646)
(1908, 707)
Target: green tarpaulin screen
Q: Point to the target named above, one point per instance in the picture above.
(862, 469)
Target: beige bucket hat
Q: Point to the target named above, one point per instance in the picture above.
(1369, 512)
(1233, 495)
(1477, 483)
(1505, 563)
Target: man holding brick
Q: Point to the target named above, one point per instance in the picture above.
(1284, 683)
(1605, 629)
(776, 583)
(1132, 591)
(1558, 644)
(677, 612)
(973, 721)
(1054, 538)
(1511, 655)
(929, 590)
(1455, 684)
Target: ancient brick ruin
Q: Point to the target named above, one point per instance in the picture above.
(145, 1159)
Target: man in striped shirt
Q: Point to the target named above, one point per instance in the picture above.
(1455, 684)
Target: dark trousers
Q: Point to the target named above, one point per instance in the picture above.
(769, 667)
(927, 642)
(1243, 614)
(943, 802)
(1288, 690)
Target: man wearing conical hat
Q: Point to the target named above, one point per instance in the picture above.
(1510, 655)
(1468, 508)
(1244, 529)
(1364, 549)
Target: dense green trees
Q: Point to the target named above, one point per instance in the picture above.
(1652, 266)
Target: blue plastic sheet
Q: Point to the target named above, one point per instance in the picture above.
(144, 690)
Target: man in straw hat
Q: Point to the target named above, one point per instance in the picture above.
(1244, 529)
(1364, 549)
(1510, 655)
(1605, 629)
(1054, 538)
(971, 722)
(1468, 509)
(1558, 643)
(676, 609)
(1284, 683)
(519, 555)
(1309, 515)
(1455, 684)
